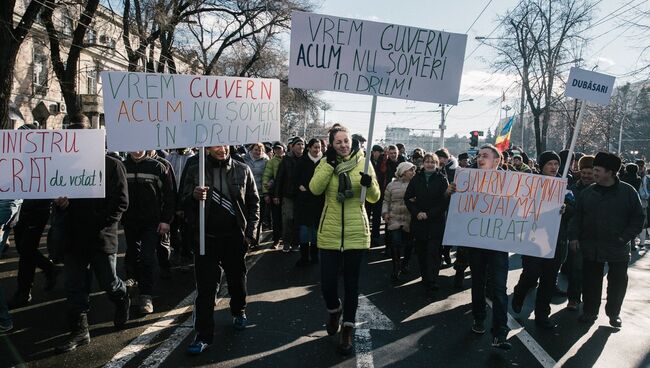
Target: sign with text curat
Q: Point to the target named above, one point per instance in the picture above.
(506, 211)
(46, 164)
(371, 58)
(159, 111)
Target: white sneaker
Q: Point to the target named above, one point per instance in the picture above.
(146, 305)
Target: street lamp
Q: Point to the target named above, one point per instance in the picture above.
(443, 117)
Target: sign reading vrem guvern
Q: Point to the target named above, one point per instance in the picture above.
(505, 210)
(364, 57)
(156, 111)
(44, 164)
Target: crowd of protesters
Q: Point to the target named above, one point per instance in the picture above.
(307, 194)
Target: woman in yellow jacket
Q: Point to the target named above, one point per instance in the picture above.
(343, 233)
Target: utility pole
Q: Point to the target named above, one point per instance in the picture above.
(442, 126)
(522, 106)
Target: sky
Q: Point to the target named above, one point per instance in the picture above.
(614, 51)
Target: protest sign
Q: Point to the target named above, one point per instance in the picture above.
(371, 58)
(505, 210)
(44, 164)
(590, 86)
(158, 111)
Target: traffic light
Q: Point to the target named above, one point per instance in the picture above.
(473, 138)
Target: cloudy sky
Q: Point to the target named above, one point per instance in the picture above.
(615, 50)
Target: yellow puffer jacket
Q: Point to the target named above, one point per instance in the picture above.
(343, 225)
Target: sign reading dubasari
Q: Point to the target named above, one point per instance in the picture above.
(45, 164)
(506, 211)
(371, 58)
(159, 111)
(590, 86)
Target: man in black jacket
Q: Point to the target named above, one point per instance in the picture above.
(285, 192)
(231, 215)
(540, 269)
(91, 242)
(608, 214)
(151, 210)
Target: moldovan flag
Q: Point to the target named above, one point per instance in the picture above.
(503, 139)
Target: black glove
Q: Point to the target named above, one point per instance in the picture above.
(366, 180)
(330, 156)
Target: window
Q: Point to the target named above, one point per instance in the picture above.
(91, 36)
(39, 71)
(66, 24)
(91, 80)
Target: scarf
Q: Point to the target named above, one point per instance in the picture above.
(343, 171)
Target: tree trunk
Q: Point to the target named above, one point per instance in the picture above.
(7, 81)
(538, 135)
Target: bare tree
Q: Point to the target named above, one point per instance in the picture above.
(66, 71)
(11, 37)
(536, 41)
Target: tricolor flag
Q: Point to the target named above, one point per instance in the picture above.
(503, 139)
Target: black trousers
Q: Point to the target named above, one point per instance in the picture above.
(276, 217)
(428, 252)
(28, 234)
(533, 269)
(227, 252)
(592, 286)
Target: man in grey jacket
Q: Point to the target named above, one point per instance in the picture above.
(608, 214)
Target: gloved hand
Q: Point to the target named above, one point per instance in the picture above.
(330, 156)
(366, 180)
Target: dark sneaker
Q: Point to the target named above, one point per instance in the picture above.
(6, 327)
(20, 299)
(197, 347)
(516, 305)
(286, 248)
(587, 318)
(615, 322)
(240, 322)
(572, 305)
(478, 327)
(545, 323)
(500, 342)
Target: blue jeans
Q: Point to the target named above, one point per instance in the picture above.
(140, 258)
(78, 279)
(331, 263)
(483, 261)
(7, 213)
(308, 234)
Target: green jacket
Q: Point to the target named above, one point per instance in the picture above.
(343, 225)
(270, 172)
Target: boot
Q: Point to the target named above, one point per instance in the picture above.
(78, 333)
(21, 298)
(313, 253)
(458, 279)
(397, 261)
(345, 344)
(122, 311)
(304, 255)
(332, 324)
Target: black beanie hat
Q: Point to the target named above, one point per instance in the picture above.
(547, 156)
(608, 160)
(377, 148)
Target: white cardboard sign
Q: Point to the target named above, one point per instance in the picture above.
(45, 164)
(507, 211)
(158, 111)
(371, 58)
(590, 86)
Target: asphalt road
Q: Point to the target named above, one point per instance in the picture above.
(398, 325)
